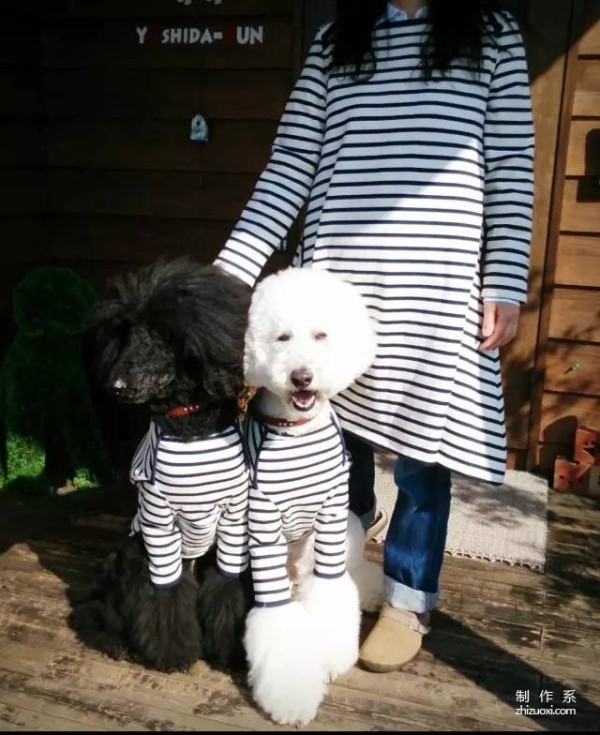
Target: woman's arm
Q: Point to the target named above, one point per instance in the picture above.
(508, 149)
(285, 184)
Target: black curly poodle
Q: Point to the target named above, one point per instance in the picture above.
(172, 336)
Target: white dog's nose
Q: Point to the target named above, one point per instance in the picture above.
(301, 378)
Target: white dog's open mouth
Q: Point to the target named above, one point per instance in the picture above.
(304, 400)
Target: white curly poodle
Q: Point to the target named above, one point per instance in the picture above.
(309, 337)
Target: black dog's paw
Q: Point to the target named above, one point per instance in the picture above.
(165, 633)
(222, 607)
(169, 663)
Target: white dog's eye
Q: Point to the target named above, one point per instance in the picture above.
(319, 336)
(284, 337)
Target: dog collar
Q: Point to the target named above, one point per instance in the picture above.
(283, 423)
(179, 411)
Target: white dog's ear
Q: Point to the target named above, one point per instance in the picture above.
(355, 330)
(256, 339)
(251, 359)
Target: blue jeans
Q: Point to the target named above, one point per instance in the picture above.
(416, 537)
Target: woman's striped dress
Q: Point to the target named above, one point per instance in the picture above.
(402, 177)
(189, 495)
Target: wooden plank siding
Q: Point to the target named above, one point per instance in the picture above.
(589, 44)
(583, 152)
(235, 147)
(574, 315)
(580, 206)
(568, 366)
(577, 261)
(22, 158)
(587, 88)
(158, 9)
(573, 368)
(125, 182)
(151, 94)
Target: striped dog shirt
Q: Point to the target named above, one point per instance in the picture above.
(299, 484)
(189, 494)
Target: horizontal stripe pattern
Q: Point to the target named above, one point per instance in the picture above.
(298, 484)
(420, 193)
(189, 495)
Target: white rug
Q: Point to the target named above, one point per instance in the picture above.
(498, 523)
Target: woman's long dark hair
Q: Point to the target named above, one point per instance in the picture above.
(458, 29)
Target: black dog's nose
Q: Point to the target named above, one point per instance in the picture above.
(118, 386)
(301, 378)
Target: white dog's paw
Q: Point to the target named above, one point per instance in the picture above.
(333, 605)
(369, 579)
(285, 671)
(367, 575)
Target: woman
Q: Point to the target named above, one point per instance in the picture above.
(409, 135)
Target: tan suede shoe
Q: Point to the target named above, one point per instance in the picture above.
(394, 641)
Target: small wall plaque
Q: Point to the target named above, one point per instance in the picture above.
(199, 129)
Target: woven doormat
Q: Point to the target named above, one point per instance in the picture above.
(504, 523)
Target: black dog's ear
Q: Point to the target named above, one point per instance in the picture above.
(205, 312)
(217, 316)
(104, 334)
(215, 336)
(111, 320)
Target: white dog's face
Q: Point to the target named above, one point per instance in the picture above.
(309, 336)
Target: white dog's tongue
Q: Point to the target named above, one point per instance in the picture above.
(304, 400)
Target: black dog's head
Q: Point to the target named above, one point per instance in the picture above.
(171, 332)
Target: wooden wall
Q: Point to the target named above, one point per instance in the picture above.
(126, 184)
(99, 172)
(568, 365)
(22, 156)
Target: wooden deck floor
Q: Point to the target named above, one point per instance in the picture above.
(499, 631)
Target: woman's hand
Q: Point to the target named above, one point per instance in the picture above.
(500, 324)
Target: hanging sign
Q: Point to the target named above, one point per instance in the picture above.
(199, 130)
(244, 35)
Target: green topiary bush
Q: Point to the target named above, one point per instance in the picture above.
(49, 432)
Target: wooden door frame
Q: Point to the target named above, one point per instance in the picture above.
(546, 31)
(575, 29)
